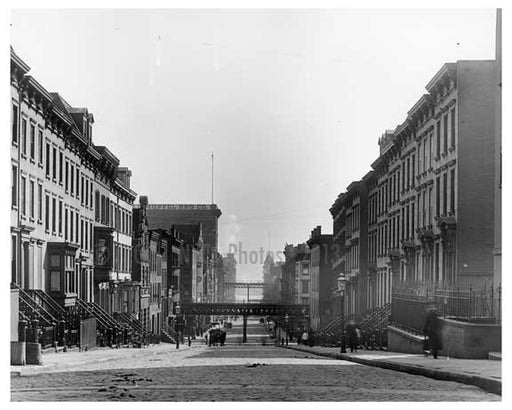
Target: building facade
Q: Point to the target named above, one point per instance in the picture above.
(322, 279)
(53, 164)
(424, 217)
(166, 215)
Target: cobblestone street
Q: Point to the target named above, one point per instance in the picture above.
(232, 373)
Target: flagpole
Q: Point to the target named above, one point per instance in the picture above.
(212, 177)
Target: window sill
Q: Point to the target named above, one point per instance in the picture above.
(40, 165)
(15, 144)
(32, 161)
(40, 221)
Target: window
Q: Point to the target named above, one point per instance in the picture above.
(39, 202)
(60, 216)
(66, 224)
(91, 194)
(61, 156)
(32, 199)
(408, 172)
(413, 169)
(445, 133)
(420, 157)
(77, 182)
(47, 212)
(81, 233)
(54, 218)
(87, 193)
(97, 206)
(48, 160)
(445, 179)
(14, 121)
(14, 258)
(438, 195)
(425, 152)
(71, 237)
(82, 189)
(452, 191)
(24, 136)
(77, 226)
(72, 179)
(412, 218)
(86, 235)
(54, 168)
(23, 195)
(14, 186)
(430, 144)
(452, 128)
(40, 146)
(438, 139)
(305, 269)
(430, 206)
(32, 142)
(66, 176)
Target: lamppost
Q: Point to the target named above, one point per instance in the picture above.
(341, 282)
(286, 327)
(177, 326)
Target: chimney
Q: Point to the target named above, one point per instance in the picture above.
(124, 174)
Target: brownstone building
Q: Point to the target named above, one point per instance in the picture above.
(424, 216)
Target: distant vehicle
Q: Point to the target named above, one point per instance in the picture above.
(228, 325)
(217, 336)
(262, 320)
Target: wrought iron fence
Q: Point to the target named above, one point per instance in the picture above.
(409, 304)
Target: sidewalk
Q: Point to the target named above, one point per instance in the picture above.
(83, 361)
(485, 374)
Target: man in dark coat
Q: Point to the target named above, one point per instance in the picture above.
(352, 336)
(432, 330)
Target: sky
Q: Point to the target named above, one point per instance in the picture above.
(291, 102)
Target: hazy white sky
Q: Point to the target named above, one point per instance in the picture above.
(291, 102)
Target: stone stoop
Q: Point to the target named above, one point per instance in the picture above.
(494, 356)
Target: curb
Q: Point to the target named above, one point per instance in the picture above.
(485, 383)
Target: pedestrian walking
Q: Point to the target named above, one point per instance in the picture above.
(432, 330)
(305, 338)
(351, 330)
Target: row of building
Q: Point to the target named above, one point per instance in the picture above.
(426, 216)
(77, 233)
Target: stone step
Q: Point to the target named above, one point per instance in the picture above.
(494, 356)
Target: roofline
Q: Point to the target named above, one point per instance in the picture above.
(19, 62)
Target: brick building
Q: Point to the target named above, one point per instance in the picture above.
(166, 215)
(322, 279)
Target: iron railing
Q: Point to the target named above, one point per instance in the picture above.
(409, 304)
